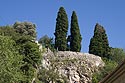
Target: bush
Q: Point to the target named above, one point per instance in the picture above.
(108, 68)
(117, 55)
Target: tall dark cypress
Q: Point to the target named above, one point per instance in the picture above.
(99, 42)
(61, 30)
(75, 42)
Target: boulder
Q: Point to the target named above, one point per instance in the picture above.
(75, 66)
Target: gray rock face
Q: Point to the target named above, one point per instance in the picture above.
(75, 66)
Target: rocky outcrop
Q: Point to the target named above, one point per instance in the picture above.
(75, 66)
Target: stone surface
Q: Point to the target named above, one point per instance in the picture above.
(75, 66)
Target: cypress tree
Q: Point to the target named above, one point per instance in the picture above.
(99, 43)
(75, 42)
(61, 30)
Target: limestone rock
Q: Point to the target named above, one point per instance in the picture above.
(75, 66)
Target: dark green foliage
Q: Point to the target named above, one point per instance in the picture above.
(99, 42)
(108, 68)
(25, 28)
(117, 55)
(47, 42)
(31, 57)
(75, 41)
(10, 61)
(9, 31)
(31, 52)
(19, 54)
(61, 30)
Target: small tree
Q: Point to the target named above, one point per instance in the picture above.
(99, 43)
(61, 30)
(75, 40)
(25, 28)
(117, 55)
(47, 42)
(108, 68)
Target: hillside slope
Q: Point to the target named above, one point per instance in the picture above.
(74, 66)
